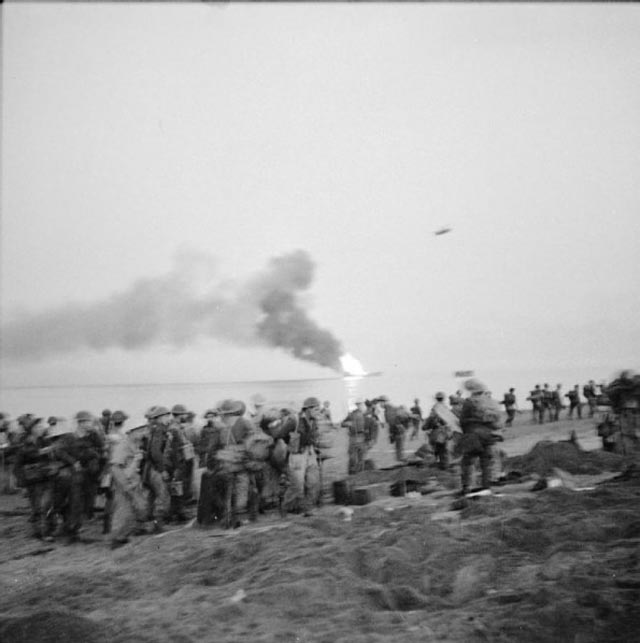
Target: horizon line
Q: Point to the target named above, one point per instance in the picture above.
(156, 384)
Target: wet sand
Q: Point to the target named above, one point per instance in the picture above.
(554, 565)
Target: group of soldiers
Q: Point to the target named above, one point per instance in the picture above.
(546, 403)
(238, 464)
(231, 468)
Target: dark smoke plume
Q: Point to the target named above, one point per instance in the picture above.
(267, 310)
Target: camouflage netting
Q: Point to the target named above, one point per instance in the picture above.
(567, 456)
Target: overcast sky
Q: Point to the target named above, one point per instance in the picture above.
(137, 138)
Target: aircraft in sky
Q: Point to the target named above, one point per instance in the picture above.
(442, 231)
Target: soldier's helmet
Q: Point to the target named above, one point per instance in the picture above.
(119, 417)
(82, 416)
(52, 420)
(310, 403)
(440, 396)
(231, 407)
(157, 411)
(179, 409)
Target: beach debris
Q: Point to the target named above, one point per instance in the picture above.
(346, 513)
(239, 596)
(559, 479)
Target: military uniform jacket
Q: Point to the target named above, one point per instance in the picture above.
(156, 445)
(87, 450)
(173, 455)
(355, 422)
(31, 464)
(309, 433)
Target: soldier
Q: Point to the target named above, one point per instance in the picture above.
(116, 434)
(589, 392)
(258, 413)
(480, 418)
(416, 418)
(510, 406)
(455, 402)
(547, 402)
(225, 484)
(79, 454)
(556, 402)
(154, 475)
(441, 424)
(372, 424)
(129, 511)
(105, 421)
(355, 423)
(303, 470)
(537, 405)
(178, 464)
(624, 395)
(398, 428)
(34, 468)
(204, 438)
(574, 402)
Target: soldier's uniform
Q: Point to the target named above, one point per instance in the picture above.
(355, 422)
(479, 418)
(175, 465)
(154, 475)
(129, 511)
(35, 469)
(79, 456)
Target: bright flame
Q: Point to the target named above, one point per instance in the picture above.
(351, 366)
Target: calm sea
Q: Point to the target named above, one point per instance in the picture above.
(402, 388)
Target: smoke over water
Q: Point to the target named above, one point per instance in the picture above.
(182, 306)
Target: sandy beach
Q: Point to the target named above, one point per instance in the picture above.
(559, 564)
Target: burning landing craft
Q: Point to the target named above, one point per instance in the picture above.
(351, 367)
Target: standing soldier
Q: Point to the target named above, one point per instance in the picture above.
(115, 435)
(547, 402)
(34, 471)
(537, 405)
(355, 422)
(105, 421)
(154, 474)
(441, 424)
(589, 392)
(455, 402)
(510, 405)
(225, 484)
(204, 438)
(79, 454)
(129, 508)
(479, 418)
(556, 402)
(416, 418)
(574, 403)
(178, 462)
(303, 467)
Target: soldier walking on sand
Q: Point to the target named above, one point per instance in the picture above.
(537, 405)
(510, 405)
